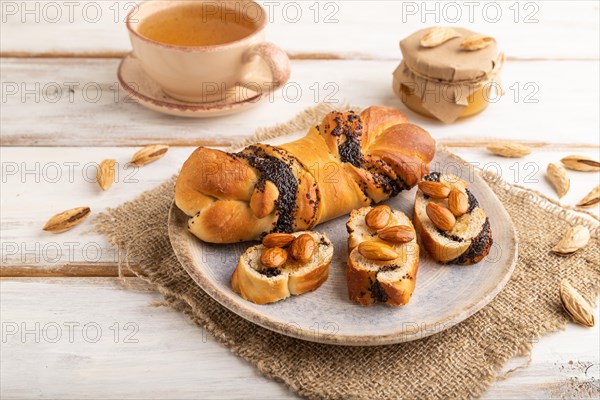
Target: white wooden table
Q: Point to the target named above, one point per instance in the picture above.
(72, 329)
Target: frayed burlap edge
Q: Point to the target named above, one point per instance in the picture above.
(189, 307)
(299, 123)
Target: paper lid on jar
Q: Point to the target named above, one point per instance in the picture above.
(447, 61)
(445, 76)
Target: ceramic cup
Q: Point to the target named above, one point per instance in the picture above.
(202, 74)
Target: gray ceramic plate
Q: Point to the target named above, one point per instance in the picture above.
(444, 295)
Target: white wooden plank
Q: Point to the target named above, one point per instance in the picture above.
(168, 357)
(537, 106)
(65, 178)
(364, 28)
(141, 351)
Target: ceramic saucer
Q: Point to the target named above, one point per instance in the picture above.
(146, 92)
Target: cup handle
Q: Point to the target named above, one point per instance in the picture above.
(277, 62)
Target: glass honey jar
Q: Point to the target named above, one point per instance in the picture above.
(446, 81)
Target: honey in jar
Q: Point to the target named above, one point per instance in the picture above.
(447, 82)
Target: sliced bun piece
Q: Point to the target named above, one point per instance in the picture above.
(259, 284)
(369, 281)
(468, 242)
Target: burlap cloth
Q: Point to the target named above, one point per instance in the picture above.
(460, 362)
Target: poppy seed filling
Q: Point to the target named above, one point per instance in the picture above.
(270, 272)
(351, 152)
(377, 292)
(281, 174)
(478, 245)
(479, 242)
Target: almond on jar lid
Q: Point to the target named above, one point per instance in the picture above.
(462, 65)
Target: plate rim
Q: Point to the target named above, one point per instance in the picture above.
(186, 260)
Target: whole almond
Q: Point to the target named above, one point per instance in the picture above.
(106, 174)
(591, 199)
(440, 216)
(149, 154)
(458, 203)
(434, 190)
(438, 35)
(557, 176)
(273, 257)
(509, 149)
(379, 217)
(303, 248)
(476, 42)
(262, 201)
(575, 305)
(377, 251)
(574, 238)
(397, 234)
(277, 239)
(67, 219)
(581, 163)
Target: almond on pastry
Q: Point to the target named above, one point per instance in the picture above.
(382, 267)
(298, 274)
(468, 240)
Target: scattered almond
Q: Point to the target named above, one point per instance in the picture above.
(438, 35)
(434, 190)
(575, 238)
(397, 234)
(278, 239)
(106, 174)
(377, 251)
(476, 42)
(581, 163)
(303, 247)
(379, 217)
(262, 201)
(509, 149)
(440, 216)
(273, 257)
(557, 176)
(458, 203)
(67, 219)
(591, 199)
(575, 305)
(149, 154)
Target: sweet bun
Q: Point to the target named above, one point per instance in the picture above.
(348, 161)
(470, 238)
(389, 281)
(261, 284)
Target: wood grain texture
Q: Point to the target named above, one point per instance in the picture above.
(44, 111)
(167, 357)
(131, 346)
(361, 29)
(174, 359)
(79, 270)
(65, 177)
(342, 321)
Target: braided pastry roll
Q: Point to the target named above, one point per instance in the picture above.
(348, 161)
